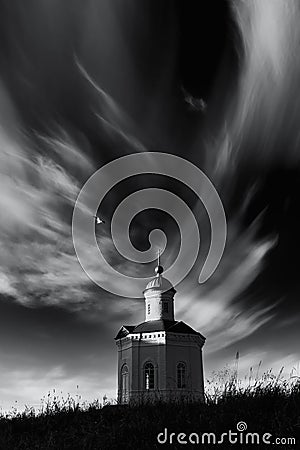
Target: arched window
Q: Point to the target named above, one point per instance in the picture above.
(124, 383)
(181, 375)
(149, 376)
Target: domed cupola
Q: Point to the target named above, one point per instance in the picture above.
(159, 282)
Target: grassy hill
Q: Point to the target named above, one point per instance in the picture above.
(273, 408)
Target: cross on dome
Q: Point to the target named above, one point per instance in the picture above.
(158, 269)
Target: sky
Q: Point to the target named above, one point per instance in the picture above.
(84, 82)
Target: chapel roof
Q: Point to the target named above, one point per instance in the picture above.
(172, 326)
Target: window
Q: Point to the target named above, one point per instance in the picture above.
(149, 376)
(124, 384)
(181, 375)
(165, 307)
(148, 308)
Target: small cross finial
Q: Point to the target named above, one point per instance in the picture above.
(159, 269)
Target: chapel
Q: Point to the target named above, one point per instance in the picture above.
(160, 358)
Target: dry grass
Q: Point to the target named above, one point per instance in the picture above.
(268, 404)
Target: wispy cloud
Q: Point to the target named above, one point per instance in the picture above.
(261, 125)
(259, 129)
(41, 177)
(218, 308)
(38, 191)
